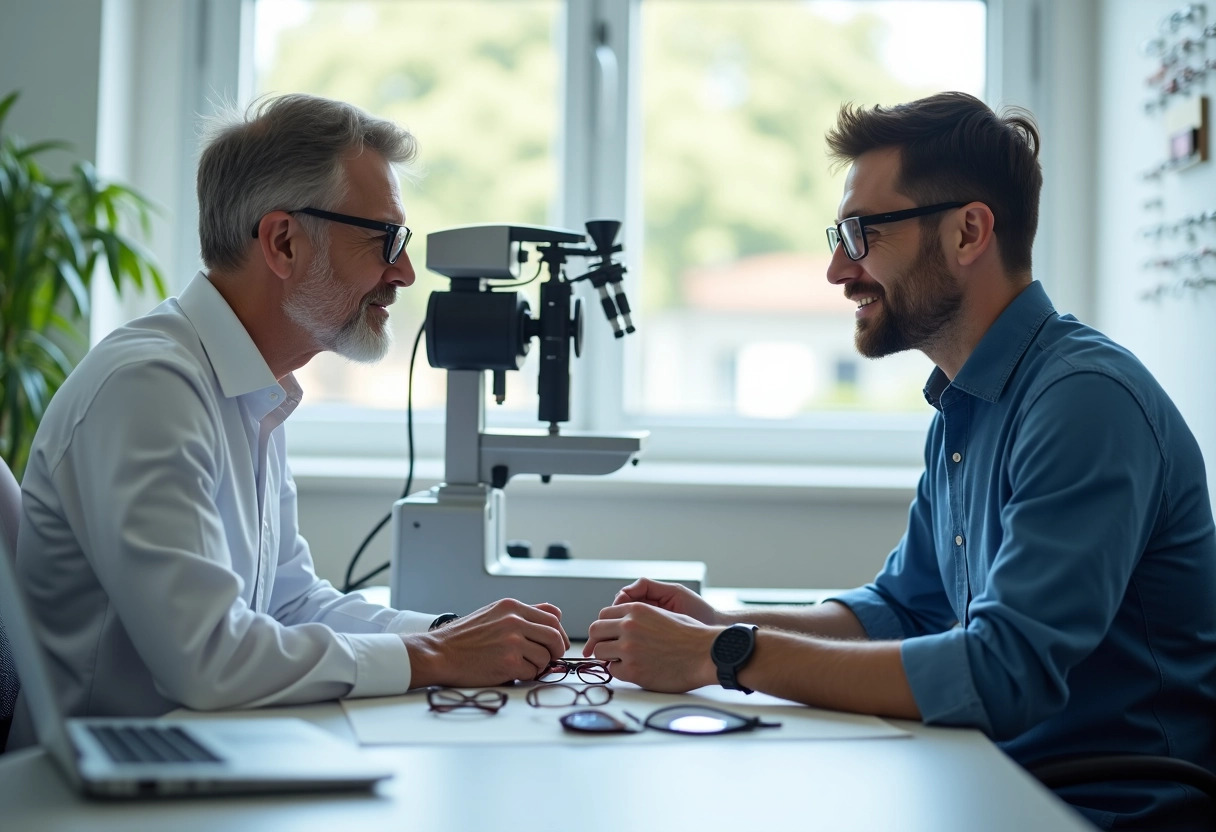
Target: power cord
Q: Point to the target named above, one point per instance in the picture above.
(500, 286)
(350, 585)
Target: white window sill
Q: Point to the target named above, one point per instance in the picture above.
(819, 483)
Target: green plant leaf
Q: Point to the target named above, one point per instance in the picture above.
(113, 250)
(33, 222)
(68, 330)
(28, 150)
(53, 231)
(6, 104)
(35, 387)
(66, 271)
(66, 224)
(57, 356)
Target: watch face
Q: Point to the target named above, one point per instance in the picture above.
(733, 644)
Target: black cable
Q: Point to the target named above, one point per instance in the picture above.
(350, 585)
(531, 279)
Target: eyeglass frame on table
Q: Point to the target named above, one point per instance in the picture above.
(589, 671)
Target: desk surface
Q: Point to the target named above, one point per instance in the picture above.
(938, 780)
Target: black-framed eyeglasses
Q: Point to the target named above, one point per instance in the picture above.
(445, 700)
(564, 696)
(701, 719)
(851, 231)
(675, 719)
(588, 671)
(396, 237)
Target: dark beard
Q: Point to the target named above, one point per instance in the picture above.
(916, 312)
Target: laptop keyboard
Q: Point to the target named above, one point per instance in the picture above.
(150, 744)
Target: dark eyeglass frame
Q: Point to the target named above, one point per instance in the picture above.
(396, 238)
(601, 692)
(836, 235)
(745, 723)
(445, 700)
(589, 671)
(591, 721)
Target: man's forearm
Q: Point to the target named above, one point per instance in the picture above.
(864, 677)
(830, 619)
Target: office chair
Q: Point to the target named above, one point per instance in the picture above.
(1075, 771)
(10, 514)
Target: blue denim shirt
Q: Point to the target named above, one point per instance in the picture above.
(1063, 523)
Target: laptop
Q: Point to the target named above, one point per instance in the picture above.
(124, 757)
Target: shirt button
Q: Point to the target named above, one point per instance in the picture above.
(958, 540)
(274, 397)
(957, 457)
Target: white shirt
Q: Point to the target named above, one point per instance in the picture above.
(159, 541)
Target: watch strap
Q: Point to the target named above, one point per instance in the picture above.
(441, 620)
(731, 651)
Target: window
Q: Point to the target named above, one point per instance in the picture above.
(699, 123)
(736, 96)
(478, 84)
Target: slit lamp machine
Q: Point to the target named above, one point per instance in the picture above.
(449, 548)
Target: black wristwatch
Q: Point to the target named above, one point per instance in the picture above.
(446, 618)
(731, 651)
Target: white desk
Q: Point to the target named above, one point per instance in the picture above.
(939, 780)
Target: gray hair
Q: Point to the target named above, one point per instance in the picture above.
(282, 153)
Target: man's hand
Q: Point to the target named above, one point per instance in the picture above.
(675, 598)
(497, 644)
(654, 648)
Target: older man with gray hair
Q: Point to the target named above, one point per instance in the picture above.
(159, 541)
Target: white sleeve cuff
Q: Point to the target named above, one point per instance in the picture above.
(382, 664)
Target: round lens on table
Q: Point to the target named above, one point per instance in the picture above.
(593, 722)
(694, 719)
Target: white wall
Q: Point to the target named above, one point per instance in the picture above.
(51, 51)
(1175, 337)
(776, 528)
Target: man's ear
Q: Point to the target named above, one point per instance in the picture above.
(972, 233)
(279, 238)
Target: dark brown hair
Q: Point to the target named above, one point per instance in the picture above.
(953, 147)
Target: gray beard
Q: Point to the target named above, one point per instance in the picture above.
(316, 303)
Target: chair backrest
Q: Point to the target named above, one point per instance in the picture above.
(10, 515)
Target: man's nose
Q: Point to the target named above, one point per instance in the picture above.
(401, 273)
(840, 267)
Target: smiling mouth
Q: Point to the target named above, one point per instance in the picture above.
(863, 302)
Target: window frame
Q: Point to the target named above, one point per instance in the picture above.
(599, 136)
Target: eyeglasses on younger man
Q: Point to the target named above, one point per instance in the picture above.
(851, 231)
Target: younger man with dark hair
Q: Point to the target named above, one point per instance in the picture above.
(1056, 585)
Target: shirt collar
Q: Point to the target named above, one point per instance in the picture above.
(987, 370)
(239, 366)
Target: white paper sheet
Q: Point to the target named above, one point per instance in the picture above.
(406, 720)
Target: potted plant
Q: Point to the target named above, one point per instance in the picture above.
(54, 234)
